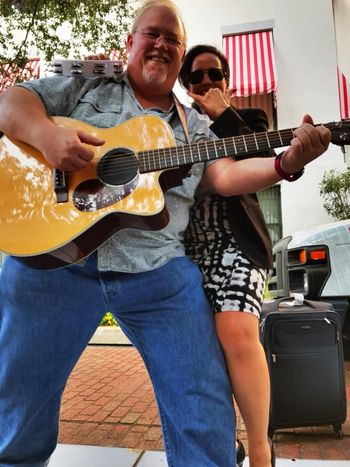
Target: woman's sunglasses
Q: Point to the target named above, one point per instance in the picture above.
(215, 74)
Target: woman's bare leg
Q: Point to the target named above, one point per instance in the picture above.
(246, 362)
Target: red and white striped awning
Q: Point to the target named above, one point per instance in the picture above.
(344, 95)
(252, 62)
(31, 70)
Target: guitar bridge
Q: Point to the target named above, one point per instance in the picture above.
(60, 185)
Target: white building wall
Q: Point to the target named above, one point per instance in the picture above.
(342, 29)
(306, 58)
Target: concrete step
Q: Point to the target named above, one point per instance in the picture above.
(68, 455)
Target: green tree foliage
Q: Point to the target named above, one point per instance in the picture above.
(32, 27)
(335, 190)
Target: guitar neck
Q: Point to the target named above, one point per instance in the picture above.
(203, 151)
(235, 146)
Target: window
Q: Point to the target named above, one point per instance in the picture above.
(262, 101)
(270, 202)
(252, 62)
(250, 53)
(253, 70)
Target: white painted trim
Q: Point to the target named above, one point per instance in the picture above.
(248, 27)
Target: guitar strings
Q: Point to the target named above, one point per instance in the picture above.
(180, 155)
(162, 158)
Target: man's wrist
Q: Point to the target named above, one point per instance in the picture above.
(284, 175)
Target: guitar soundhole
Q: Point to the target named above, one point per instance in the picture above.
(118, 167)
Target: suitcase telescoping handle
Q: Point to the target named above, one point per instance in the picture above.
(293, 301)
(276, 306)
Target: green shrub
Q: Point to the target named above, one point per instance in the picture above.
(108, 320)
(335, 190)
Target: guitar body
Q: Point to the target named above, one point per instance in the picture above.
(47, 234)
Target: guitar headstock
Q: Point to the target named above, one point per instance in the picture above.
(340, 132)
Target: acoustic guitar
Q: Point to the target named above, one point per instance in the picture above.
(50, 219)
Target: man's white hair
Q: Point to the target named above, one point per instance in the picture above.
(148, 4)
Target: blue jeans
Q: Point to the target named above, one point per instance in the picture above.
(47, 319)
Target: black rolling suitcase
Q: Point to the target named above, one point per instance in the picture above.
(303, 346)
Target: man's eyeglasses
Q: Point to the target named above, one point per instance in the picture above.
(154, 36)
(215, 74)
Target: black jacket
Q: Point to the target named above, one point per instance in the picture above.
(245, 215)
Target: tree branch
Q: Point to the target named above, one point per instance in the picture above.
(31, 24)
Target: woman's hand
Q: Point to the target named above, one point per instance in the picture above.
(99, 56)
(213, 103)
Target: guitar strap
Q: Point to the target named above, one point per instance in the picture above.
(183, 119)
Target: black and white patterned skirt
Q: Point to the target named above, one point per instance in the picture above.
(230, 280)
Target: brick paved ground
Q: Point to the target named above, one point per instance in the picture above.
(109, 401)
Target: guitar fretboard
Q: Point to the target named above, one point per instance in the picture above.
(236, 146)
(160, 159)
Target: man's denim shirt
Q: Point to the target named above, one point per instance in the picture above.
(104, 103)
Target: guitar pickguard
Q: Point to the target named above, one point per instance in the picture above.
(92, 195)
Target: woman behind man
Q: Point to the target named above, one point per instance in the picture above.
(228, 239)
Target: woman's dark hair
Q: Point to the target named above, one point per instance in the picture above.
(192, 53)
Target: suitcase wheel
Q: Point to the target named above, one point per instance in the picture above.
(338, 431)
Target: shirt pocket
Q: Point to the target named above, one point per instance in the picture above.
(100, 107)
